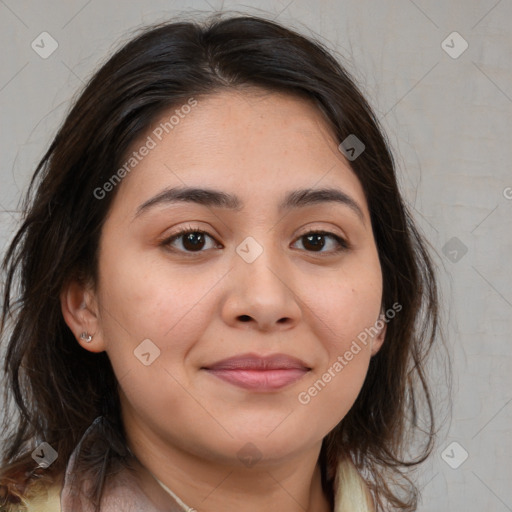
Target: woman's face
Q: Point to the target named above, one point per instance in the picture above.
(168, 309)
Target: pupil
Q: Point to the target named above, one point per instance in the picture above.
(194, 244)
(315, 239)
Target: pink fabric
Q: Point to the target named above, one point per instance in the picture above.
(122, 493)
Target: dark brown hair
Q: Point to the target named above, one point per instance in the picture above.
(59, 388)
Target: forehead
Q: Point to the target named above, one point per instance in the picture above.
(246, 121)
(254, 143)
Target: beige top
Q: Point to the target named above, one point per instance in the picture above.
(50, 501)
(130, 492)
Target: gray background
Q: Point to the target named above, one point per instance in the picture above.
(449, 121)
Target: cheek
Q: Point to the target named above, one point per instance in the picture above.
(148, 298)
(333, 387)
(343, 311)
(142, 300)
(345, 304)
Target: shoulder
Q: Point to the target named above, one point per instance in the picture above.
(39, 496)
(45, 499)
(352, 493)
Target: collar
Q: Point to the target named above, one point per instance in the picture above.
(126, 490)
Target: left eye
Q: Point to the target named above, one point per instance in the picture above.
(313, 239)
(193, 240)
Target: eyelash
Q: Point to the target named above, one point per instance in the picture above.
(343, 245)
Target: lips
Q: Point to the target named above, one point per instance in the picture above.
(259, 373)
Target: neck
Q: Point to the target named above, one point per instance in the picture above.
(290, 486)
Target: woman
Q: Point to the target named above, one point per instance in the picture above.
(224, 302)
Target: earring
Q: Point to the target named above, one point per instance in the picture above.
(86, 337)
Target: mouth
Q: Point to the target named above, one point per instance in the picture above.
(259, 373)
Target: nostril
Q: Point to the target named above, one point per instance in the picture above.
(245, 318)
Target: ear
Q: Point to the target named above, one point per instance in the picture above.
(80, 311)
(378, 339)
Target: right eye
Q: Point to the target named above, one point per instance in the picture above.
(192, 240)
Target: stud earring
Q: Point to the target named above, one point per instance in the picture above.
(86, 337)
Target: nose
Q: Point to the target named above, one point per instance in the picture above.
(261, 295)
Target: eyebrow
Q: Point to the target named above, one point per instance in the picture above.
(215, 198)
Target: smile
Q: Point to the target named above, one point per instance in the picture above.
(259, 373)
(260, 380)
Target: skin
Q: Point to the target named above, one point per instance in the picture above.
(184, 425)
